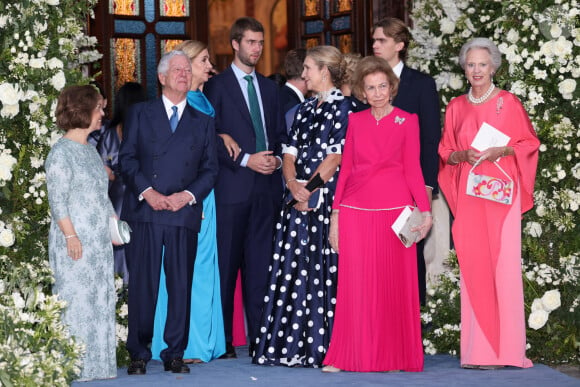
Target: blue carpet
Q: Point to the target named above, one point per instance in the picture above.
(440, 370)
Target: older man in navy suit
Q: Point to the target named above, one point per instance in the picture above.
(168, 159)
(417, 94)
(248, 191)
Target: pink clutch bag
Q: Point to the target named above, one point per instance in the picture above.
(489, 187)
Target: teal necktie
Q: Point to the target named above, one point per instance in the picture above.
(256, 115)
(174, 119)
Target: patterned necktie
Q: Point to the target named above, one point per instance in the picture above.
(174, 119)
(256, 115)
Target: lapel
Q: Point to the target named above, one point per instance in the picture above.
(236, 95)
(160, 130)
(404, 85)
(265, 100)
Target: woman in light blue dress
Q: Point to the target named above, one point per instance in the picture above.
(206, 330)
(79, 242)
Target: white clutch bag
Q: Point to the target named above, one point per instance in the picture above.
(120, 231)
(403, 224)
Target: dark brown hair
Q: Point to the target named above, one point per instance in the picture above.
(242, 25)
(371, 65)
(294, 63)
(396, 29)
(75, 106)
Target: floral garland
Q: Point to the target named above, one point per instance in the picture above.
(540, 43)
(42, 48)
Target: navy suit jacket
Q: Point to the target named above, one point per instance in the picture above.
(288, 98)
(152, 156)
(235, 183)
(418, 94)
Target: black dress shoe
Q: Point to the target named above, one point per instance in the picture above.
(137, 367)
(230, 352)
(177, 366)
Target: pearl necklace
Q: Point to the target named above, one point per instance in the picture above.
(481, 99)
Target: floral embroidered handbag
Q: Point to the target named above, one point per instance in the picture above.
(489, 187)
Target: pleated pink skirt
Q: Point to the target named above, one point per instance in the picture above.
(377, 324)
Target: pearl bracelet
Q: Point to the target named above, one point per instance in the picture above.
(70, 236)
(289, 181)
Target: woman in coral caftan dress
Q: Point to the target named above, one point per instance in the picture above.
(377, 324)
(487, 234)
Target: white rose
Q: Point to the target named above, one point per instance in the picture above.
(58, 80)
(52, 2)
(540, 210)
(537, 305)
(9, 94)
(9, 111)
(576, 171)
(534, 229)
(513, 36)
(551, 300)
(562, 47)
(6, 164)
(555, 31)
(538, 319)
(6, 238)
(37, 63)
(455, 82)
(18, 300)
(447, 26)
(567, 87)
(54, 63)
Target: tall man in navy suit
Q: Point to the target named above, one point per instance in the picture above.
(248, 191)
(169, 162)
(417, 94)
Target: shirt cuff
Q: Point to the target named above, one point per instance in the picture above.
(290, 150)
(141, 194)
(245, 159)
(192, 201)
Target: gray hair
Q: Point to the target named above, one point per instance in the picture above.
(485, 44)
(163, 65)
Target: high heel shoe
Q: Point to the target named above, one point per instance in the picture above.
(330, 369)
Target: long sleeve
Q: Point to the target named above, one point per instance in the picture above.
(58, 178)
(412, 165)
(346, 164)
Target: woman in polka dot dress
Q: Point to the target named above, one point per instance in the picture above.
(299, 304)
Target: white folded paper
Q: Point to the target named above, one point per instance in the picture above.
(487, 137)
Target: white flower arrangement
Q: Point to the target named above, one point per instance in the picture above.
(540, 46)
(42, 41)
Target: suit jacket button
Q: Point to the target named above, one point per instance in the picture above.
(155, 176)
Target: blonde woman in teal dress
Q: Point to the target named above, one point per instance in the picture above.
(206, 330)
(79, 246)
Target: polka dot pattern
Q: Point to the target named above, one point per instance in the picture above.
(298, 312)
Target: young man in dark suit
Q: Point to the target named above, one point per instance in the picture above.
(169, 162)
(248, 191)
(294, 90)
(417, 94)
